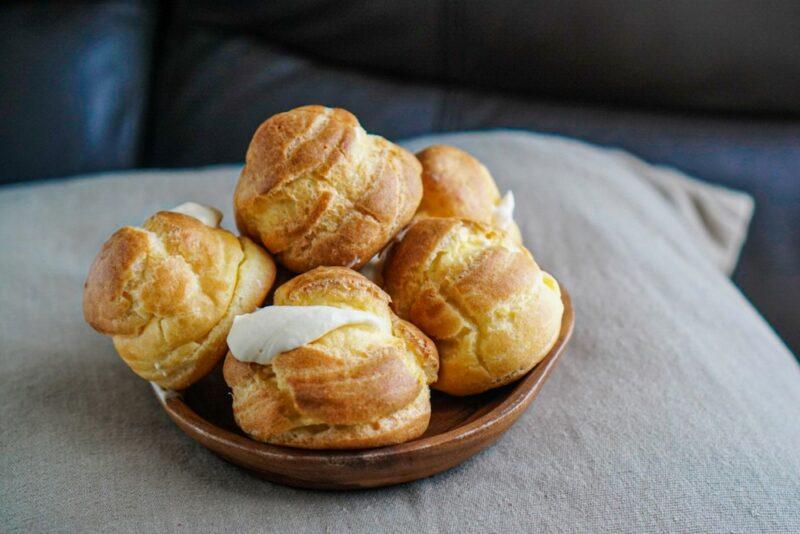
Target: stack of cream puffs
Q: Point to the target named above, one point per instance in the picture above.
(337, 359)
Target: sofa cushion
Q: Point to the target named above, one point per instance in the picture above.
(757, 155)
(75, 80)
(675, 408)
(733, 55)
(213, 89)
(216, 86)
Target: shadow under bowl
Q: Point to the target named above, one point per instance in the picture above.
(459, 428)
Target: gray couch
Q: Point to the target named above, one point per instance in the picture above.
(674, 409)
(711, 88)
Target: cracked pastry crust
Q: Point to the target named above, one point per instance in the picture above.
(355, 387)
(456, 184)
(167, 293)
(480, 296)
(316, 189)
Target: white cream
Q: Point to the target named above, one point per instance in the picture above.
(260, 336)
(355, 261)
(503, 215)
(207, 215)
(401, 234)
(373, 268)
(164, 394)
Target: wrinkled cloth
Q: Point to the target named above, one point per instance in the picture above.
(675, 407)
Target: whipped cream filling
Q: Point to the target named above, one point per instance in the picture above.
(163, 394)
(208, 215)
(503, 215)
(260, 336)
(373, 269)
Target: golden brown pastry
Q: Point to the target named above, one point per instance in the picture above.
(357, 386)
(455, 184)
(480, 296)
(316, 189)
(167, 293)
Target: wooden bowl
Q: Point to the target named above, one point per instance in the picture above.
(459, 428)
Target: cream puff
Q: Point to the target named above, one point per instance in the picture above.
(455, 184)
(329, 366)
(492, 312)
(167, 292)
(317, 189)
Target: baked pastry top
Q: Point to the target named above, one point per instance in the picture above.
(456, 184)
(357, 386)
(492, 312)
(167, 294)
(317, 189)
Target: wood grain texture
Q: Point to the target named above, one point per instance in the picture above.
(460, 427)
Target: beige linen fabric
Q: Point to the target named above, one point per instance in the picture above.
(676, 408)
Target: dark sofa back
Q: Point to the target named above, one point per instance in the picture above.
(75, 80)
(77, 77)
(728, 55)
(711, 87)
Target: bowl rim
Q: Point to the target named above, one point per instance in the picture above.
(516, 400)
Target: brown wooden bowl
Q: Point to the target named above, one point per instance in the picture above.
(459, 428)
